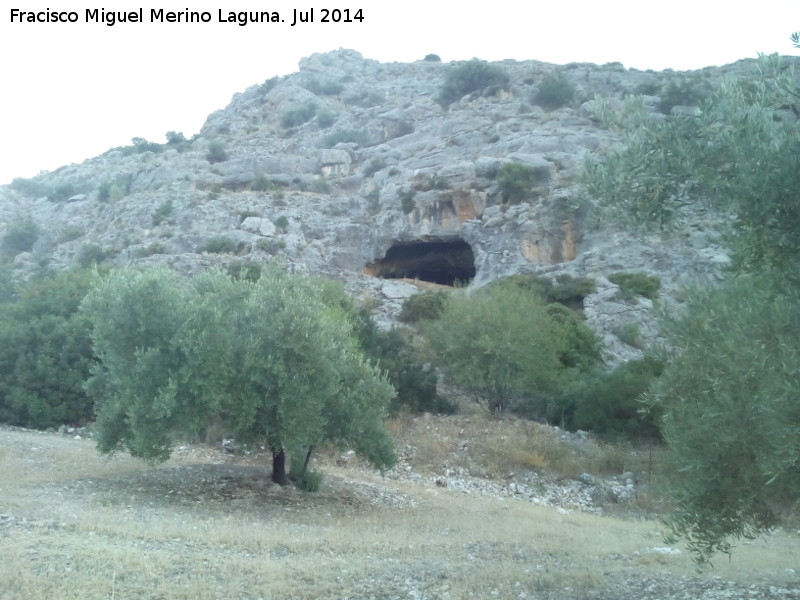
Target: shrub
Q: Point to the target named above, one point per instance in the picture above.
(325, 118)
(554, 91)
(111, 190)
(427, 305)
(324, 88)
(141, 145)
(373, 166)
(471, 77)
(686, 92)
(33, 188)
(582, 347)
(20, 236)
(45, 352)
(416, 384)
(630, 334)
(69, 233)
(262, 184)
(62, 192)
(610, 403)
(104, 191)
(505, 346)
(354, 136)
(636, 284)
(216, 152)
(248, 272)
(150, 250)
(309, 481)
(91, 254)
(570, 291)
(297, 116)
(515, 181)
(365, 98)
(320, 186)
(282, 223)
(176, 138)
(407, 200)
(219, 245)
(162, 213)
(270, 245)
(432, 58)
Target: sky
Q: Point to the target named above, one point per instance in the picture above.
(70, 91)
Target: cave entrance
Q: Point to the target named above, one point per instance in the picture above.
(438, 261)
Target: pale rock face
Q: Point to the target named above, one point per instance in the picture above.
(378, 163)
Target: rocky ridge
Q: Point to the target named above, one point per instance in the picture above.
(348, 160)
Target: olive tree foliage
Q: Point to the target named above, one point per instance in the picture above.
(728, 398)
(732, 412)
(274, 360)
(740, 154)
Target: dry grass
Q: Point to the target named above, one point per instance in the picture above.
(491, 447)
(82, 526)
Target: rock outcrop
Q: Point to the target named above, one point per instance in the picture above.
(350, 168)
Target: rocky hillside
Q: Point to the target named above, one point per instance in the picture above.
(356, 169)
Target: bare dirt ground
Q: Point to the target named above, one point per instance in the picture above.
(210, 525)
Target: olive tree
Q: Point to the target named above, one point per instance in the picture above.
(274, 360)
(728, 398)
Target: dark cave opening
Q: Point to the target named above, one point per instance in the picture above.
(445, 262)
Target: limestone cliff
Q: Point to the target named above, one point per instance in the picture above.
(351, 168)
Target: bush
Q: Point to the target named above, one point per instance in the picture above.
(610, 403)
(567, 290)
(20, 236)
(309, 481)
(373, 166)
(162, 213)
(509, 348)
(91, 254)
(219, 245)
(216, 152)
(111, 190)
(248, 272)
(150, 250)
(471, 77)
(582, 347)
(686, 92)
(554, 91)
(33, 188)
(45, 352)
(324, 88)
(69, 233)
(432, 58)
(141, 145)
(297, 116)
(347, 136)
(176, 138)
(270, 245)
(570, 291)
(282, 223)
(515, 180)
(636, 284)
(407, 201)
(416, 384)
(427, 305)
(630, 334)
(320, 186)
(325, 118)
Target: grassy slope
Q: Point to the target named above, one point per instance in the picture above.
(209, 525)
